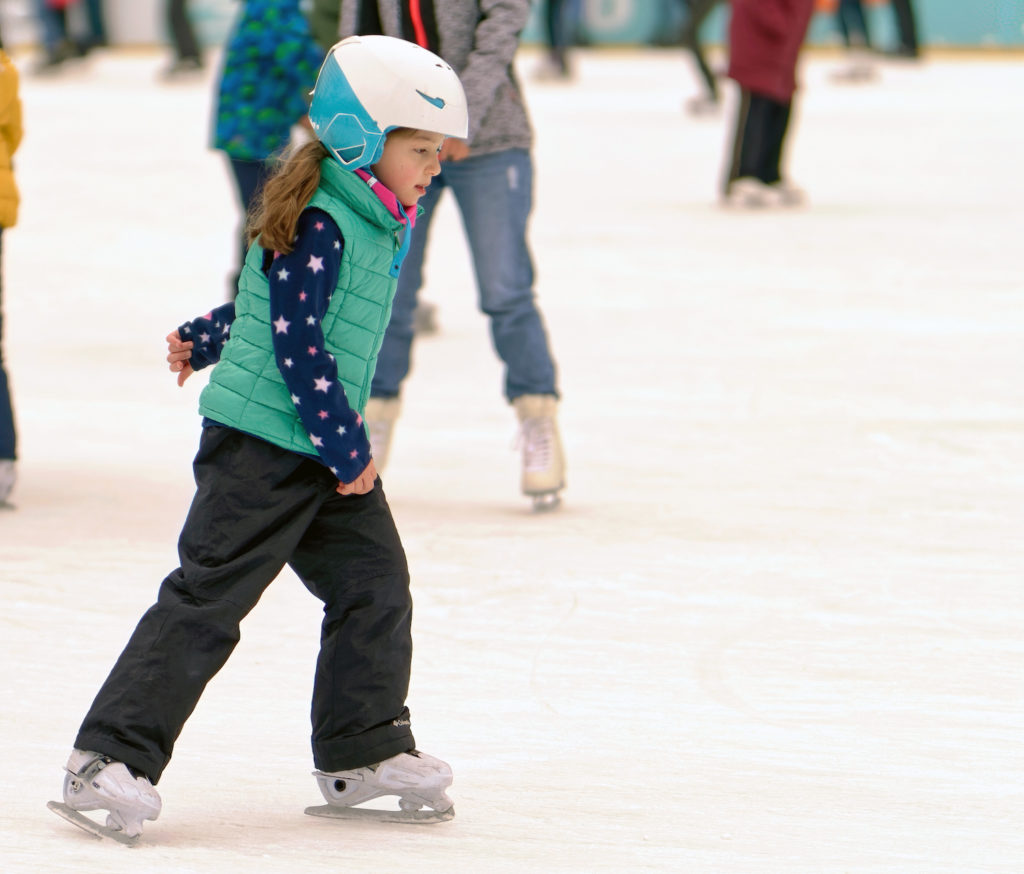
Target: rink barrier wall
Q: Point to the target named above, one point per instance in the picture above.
(954, 23)
(967, 23)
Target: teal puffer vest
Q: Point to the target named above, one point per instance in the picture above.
(246, 390)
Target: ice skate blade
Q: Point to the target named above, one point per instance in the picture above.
(545, 502)
(364, 814)
(100, 832)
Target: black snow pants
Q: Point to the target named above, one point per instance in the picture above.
(258, 507)
(761, 127)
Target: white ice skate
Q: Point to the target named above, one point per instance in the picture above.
(417, 779)
(97, 782)
(543, 460)
(7, 477)
(750, 193)
(380, 416)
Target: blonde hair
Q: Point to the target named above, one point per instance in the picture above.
(275, 215)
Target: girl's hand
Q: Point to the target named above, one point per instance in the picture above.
(178, 354)
(361, 484)
(454, 149)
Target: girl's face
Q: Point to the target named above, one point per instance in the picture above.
(408, 163)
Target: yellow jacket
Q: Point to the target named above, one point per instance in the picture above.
(10, 137)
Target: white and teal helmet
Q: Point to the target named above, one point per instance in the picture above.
(370, 85)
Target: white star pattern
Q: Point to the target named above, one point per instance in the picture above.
(301, 286)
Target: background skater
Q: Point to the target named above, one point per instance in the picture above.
(490, 174)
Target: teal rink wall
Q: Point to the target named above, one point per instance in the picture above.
(954, 23)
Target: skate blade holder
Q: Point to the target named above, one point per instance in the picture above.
(426, 816)
(100, 832)
(545, 502)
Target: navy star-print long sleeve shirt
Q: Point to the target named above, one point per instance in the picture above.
(301, 285)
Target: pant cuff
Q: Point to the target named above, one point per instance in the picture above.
(366, 749)
(121, 753)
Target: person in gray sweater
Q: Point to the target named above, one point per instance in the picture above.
(490, 173)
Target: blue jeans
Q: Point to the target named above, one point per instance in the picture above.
(54, 25)
(250, 177)
(494, 193)
(54, 30)
(7, 434)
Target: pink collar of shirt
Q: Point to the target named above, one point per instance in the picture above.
(387, 197)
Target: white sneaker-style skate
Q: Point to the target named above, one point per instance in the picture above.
(750, 193)
(543, 459)
(97, 782)
(380, 417)
(424, 319)
(702, 106)
(417, 779)
(7, 477)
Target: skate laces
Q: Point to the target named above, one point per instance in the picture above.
(537, 439)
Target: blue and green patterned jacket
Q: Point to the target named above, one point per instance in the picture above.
(270, 66)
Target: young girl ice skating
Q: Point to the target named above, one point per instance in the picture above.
(283, 472)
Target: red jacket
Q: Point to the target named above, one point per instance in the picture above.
(765, 37)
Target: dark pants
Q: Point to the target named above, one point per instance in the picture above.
(257, 508)
(853, 24)
(249, 179)
(561, 25)
(699, 10)
(906, 26)
(186, 46)
(761, 128)
(8, 438)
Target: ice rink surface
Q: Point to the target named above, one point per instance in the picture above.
(776, 626)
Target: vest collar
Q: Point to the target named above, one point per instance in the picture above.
(398, 210)
(358, 195)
